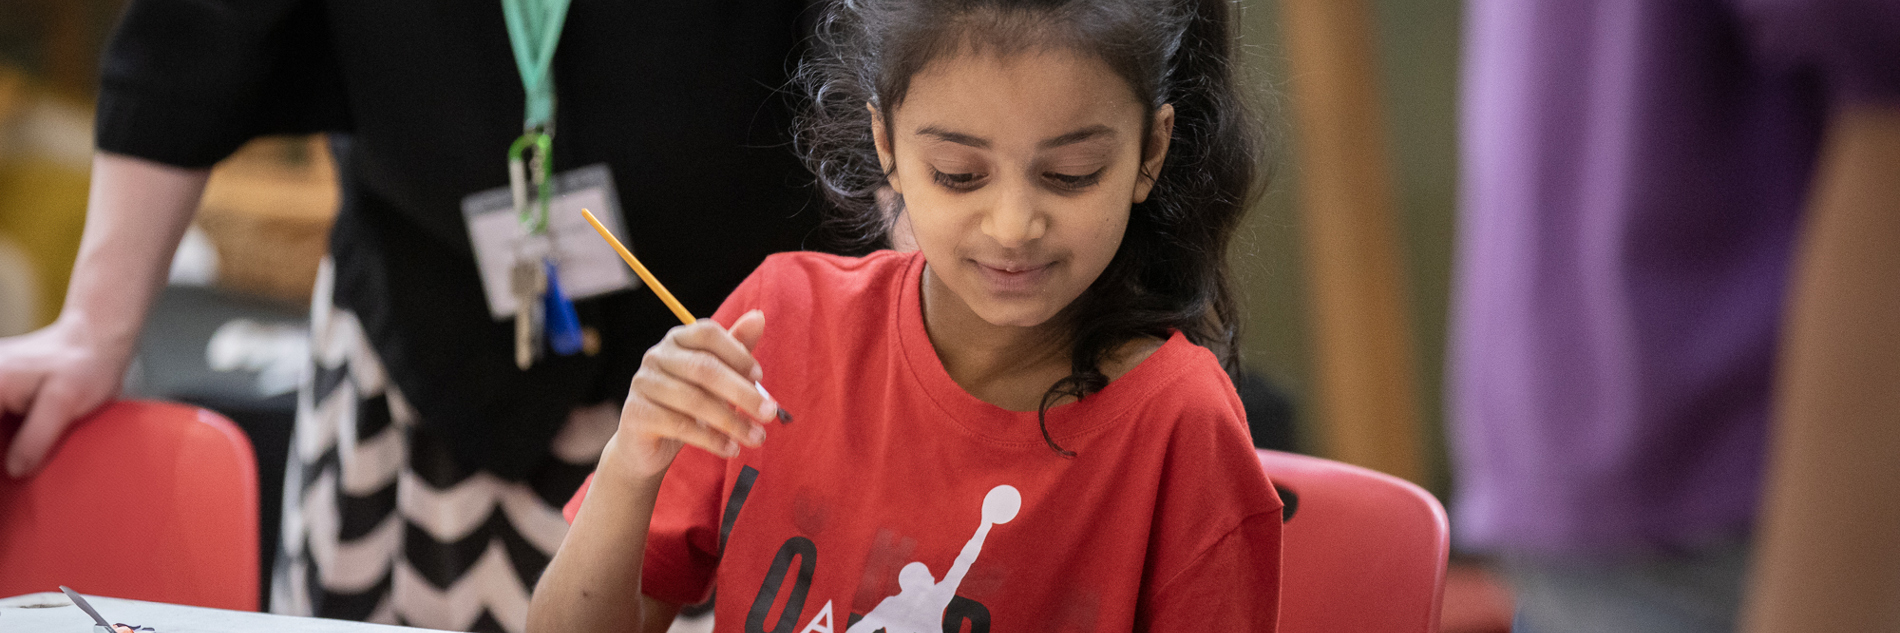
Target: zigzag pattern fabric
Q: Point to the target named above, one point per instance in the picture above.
(379, 522)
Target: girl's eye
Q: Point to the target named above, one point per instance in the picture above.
(959, 182)
(1066, 181)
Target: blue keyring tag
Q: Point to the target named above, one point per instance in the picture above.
(563, 326)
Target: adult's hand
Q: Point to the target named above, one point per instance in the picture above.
(136, 214)
(52, 377)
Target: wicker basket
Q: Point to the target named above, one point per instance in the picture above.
(268, 209)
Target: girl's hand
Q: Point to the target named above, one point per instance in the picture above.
(696, 387)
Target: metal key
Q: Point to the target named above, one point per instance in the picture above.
(528, 280)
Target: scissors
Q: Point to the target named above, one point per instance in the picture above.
(80, 601)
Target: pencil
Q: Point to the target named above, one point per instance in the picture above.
(673, 304)
(638, 269)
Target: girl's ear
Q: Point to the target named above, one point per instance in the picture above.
(1160, 132)
(880, 136)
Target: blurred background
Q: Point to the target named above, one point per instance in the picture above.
(228, 333)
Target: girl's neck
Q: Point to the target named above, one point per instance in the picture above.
(1007, 366)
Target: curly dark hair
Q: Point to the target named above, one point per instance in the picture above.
(1171, 270)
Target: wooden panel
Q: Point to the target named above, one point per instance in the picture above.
(1365, 372)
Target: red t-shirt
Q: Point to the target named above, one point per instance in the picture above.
(900, 499)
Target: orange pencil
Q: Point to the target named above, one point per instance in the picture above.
(659, 289)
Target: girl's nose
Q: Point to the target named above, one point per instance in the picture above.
(1014, 220)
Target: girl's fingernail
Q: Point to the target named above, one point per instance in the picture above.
(757, 434)
(732, 448)
(768, 409)
(757, 374)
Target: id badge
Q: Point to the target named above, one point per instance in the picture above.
(588, 267)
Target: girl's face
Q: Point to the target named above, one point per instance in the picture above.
(1017, 174)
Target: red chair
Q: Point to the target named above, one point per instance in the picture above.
(143, 500)
(1363, 551)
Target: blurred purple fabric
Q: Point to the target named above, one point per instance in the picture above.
(1634, 173)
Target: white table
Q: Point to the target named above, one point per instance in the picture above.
(53, 613)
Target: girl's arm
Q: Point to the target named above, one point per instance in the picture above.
(587, 585)
(137, 212)
(691, 389)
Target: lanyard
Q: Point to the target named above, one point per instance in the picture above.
(534, 28)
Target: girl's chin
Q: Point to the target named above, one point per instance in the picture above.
(1012, 314)
(1002, 307)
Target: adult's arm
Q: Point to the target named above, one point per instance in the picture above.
(1827, 558)
(137, 212)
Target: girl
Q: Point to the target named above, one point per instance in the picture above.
(1024, 425)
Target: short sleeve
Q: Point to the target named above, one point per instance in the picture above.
(1851, 46)
(1232, 586)
(1214, 554)
(185, 82)
(683, 540)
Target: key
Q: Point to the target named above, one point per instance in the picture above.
(528, 280)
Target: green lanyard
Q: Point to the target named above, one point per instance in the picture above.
(534, 28)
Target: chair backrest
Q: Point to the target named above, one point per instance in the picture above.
(1363, 551)
(144, 500)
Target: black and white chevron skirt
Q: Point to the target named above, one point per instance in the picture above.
(380, 523)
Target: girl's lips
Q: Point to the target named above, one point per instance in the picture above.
(1013, 278)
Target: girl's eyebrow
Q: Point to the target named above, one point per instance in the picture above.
(1084, 134)
(1071, 138)
(953, 137)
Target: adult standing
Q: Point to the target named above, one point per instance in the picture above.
(1636, 178)
(428, 470)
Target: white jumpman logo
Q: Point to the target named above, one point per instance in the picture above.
(919, 603)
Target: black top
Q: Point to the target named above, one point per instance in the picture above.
(682, 98)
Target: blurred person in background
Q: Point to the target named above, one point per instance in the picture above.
(427, 471)
(1680, 222)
